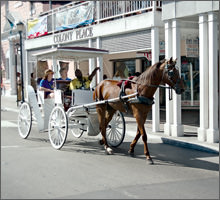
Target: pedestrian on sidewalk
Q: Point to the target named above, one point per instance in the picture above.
(19, 86)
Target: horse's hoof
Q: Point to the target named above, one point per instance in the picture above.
(101, 142)
(150, 161)
(108, 151)
(131, 153)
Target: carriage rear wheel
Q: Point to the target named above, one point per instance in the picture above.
(115, 131)
(75, 124)
(58, 127)
(24, 120)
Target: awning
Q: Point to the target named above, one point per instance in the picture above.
(70, 53)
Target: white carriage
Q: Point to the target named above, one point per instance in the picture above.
(80, 117)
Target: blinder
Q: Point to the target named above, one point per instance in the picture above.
(170, 72)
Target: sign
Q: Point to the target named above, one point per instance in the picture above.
(84, 33)
(63, 37)
(162, 48)
(75, 17)
(73, 35)
(192, 48)
(37, 27)
(146, 54)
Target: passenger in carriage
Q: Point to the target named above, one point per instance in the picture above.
(47, 84)
(63, 74)
(63, 81)
(82, 82)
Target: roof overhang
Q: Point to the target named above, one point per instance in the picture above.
(70, 53)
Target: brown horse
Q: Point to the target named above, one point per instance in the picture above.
(146, 85)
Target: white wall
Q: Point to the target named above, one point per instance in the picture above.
(187, 8)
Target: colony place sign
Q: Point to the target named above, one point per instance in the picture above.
(73, 35)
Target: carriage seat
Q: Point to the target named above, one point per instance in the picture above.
(80, 97)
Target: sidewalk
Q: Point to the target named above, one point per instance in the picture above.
(189, 140)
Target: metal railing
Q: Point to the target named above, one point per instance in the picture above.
(102, 10)
(114, 9)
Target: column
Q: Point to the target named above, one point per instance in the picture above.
(155, 58)
(99, 62)
(13, 76)
(203, 68)
(97, 10)
(169, 103)
(177, 127)
(138, 64)
(92, 67)
(213, 131)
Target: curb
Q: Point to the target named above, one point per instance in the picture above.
(180, 143)
(189, 145)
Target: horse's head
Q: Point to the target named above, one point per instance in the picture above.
(172, 76)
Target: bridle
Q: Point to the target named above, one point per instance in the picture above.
(170, 72)
(169, 69)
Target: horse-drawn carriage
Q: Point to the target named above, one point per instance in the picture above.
(51, 114)
(105, 114)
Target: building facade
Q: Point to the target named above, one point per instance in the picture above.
(195, 25)
(136, 33)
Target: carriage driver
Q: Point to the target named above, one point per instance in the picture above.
(81, 82)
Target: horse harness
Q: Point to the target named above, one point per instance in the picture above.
(146, 100)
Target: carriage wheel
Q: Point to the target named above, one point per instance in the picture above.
(77, 132)
(24, 120)
(74, 124)
(57, 127)
(115, 131)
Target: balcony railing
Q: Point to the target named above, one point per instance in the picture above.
(114, 9)
(68, 17)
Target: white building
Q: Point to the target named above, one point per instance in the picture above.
(196, 23)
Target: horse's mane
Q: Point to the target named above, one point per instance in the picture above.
(149, 74)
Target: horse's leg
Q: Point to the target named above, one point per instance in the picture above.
(103, 122)
(134, 142)
(140, 119)
(144, 138)
(108, 117)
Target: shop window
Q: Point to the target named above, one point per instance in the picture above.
(124, 69)
(190, 76)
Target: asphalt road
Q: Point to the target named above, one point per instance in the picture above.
(31, 168)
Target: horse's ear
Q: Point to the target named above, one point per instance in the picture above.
(175, 60)
(158, 65)
(171, 60)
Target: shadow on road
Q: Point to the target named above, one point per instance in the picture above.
(162, 154)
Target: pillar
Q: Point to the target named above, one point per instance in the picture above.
(177, 127)
(155, 58)
(99, 62)
(12, 70)
(92, 67)
(213, 131)
(203, 57)
(169, 103)
(138, 64)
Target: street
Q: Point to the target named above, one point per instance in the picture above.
(31, 168)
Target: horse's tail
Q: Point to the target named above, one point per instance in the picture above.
(97, 94)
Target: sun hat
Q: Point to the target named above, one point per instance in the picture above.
(47, 72)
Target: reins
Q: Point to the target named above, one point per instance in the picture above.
(151, 85)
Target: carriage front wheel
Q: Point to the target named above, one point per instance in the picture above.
(58, 127)
(115, 131)
(24, 120)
